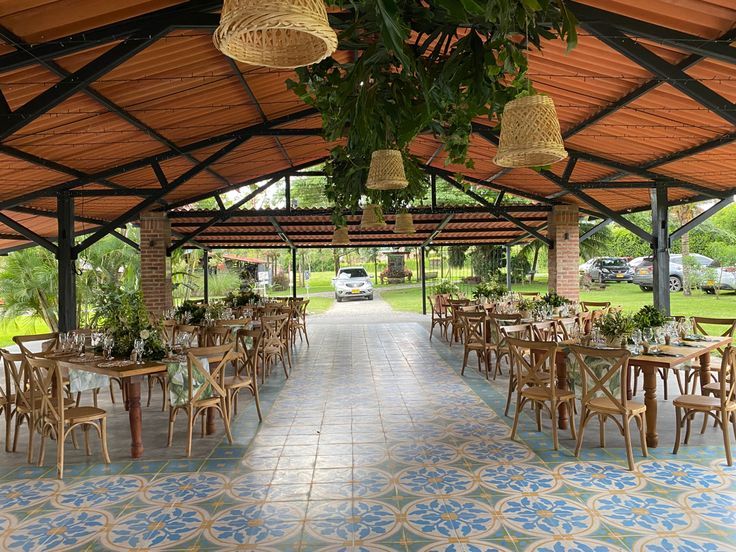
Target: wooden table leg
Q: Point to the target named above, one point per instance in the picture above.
(211, 413)
(650, 400)
(704, 370)
(134, 415)
(561, 366)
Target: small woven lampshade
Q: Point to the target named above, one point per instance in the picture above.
(530, 134)
(386, 171)
(275, 33)
(340, 237)
(372, 217)
(404, 224)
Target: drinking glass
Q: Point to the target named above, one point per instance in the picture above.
(636, 339)
(79, 340)
(139, 345)
(63, 342)
(108, 342)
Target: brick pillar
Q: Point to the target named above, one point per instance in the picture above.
(564, 257)
(155, 264)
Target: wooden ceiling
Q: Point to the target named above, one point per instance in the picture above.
(641, 98)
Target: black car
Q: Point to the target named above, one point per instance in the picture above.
(610, 269)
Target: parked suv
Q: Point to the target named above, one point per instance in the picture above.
(352, 281)
(644, 278)
(608, 269)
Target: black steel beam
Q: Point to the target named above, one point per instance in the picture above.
(206, 275)
(675, 77)
(508, 267)
(223, 215)
(597, 228)
(27, 233)
(499, 212)
(702, 217)
(440, 227)
(52, 214)
(78, 80)
(135, 211)
(125, 239)
(661, 245)
(703, 47)
(192, 14)
(280, 232)
(67, 270)
(293, 272)
(423, 271)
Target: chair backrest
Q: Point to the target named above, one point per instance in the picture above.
(518, 331)
(273, 330)
(47, 387)
(727, 376)
(192, 332)
(529, 294)
(453, 306)
(248, 346)
(495, 321)
(17, 378)
(585, 320)
(474, 326)
(594, 305)
(603, 373)
(534, 362)
(545, 331)
(168, 331)
(218, 334)
(214, 375)
(569, 328)
(301, 309)
(48, 342)
(719, 327)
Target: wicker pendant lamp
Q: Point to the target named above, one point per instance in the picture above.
(530, 134)
(386, 171)
(372, 217)
(404, 224)
(283, 34)
(340, 237)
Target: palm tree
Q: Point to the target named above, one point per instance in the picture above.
(684, 214)
(28, 286)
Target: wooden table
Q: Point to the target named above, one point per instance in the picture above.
(131, 376)
(649, 365)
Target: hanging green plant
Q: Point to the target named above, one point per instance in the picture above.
(419, 67)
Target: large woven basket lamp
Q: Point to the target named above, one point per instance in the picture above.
(404, 224)
(340, 236)
(275, 33)
(386, 171)
(372, 217)
(530, 134)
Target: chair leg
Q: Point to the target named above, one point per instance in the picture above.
(538, 415)
(678, 429)
(60, 453)
(103, 440)
(683, 390)
(465, 362)
(688, 421)
(18, 422)
(641, 423)
(165, 391)
(8, 425)
(665, 379)
(602, 430)
(260, 416)
(555, 437)
(85, 431)
(31, 431)
(519, 403)
(190, 430)
(627, 443)
(112, 395)
(172, 417)
(571, 409)
(42, 449)
(584, 417)
(726, 438)
(512, 385)
(150, 387)
(226, 421)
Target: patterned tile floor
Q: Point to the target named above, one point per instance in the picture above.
(376, 444)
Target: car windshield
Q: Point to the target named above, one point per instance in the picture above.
(353, 273)
(613, 263)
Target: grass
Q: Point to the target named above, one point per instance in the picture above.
(318, 305)
(23, 325)
(628, 296)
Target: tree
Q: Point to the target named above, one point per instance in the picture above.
(683, 214)
(596, 245)
(28, 285)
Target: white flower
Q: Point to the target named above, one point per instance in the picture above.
(145, 334)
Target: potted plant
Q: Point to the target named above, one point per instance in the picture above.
(556, 302)
(491, 290)
(525, 306)
(445, 287)
(649, 317)
(616, 327)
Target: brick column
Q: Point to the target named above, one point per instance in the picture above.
(564, 257)
(155, 264)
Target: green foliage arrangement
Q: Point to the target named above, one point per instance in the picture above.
(418, 67)
(242, 298)
(616, 325)
(649, 317)
(490, 290)
(123, 315)
(554, 300)
(444, 287)
(196, 312)
(456, 255)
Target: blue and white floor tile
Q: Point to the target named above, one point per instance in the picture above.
(376, 444)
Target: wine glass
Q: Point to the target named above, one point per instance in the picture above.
(108, 342)
(63, 342)
(636, 339)
(79, 341)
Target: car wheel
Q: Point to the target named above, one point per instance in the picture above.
(710, 291)
(645, 288)
(370, 298)
(338, 298)
(675, 283)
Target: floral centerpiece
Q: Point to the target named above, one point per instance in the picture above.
(122, 315)
(649, 317)
(616, 327)
(491, 290)
(444, 287)
(244, 297)
(190, 312)
(556, 302)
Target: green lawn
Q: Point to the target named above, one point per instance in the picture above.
(318, 305)
(628, 296)
(22, 325)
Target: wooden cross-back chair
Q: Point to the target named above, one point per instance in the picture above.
(210, 394)
(589, 306)
(545, 331)
(299, 321)
(600, 370)
(440, 317)
(475, 339)
(496, 338)
(500, 332)
(55, 420)
(721, 407)
(569, 328)
(534, 362)
(453, 308)
(16, 405)
(248, 344)
(219, 334)
(275, 342)
(190, 332)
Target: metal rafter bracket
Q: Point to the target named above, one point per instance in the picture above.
(27, 233)
(281, 233)
(702, 217)
(125, 239)
(597, 228)
(224, 215)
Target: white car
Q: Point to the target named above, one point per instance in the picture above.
(724, 279)
(352, 281)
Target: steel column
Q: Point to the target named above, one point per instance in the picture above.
(206, 275)
(287, 191)
(424, 279)
(661, 274)
(293, 272)
(67, 270)
(508, 267)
